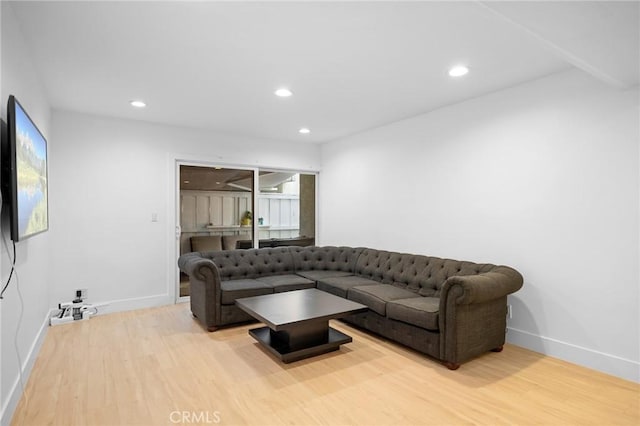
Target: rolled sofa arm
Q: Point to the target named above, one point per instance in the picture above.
(196, 266)
(473, 313)
(484, 287)
(204, 288)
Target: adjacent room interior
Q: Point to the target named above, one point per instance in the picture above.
(217, 210)
(430, 210)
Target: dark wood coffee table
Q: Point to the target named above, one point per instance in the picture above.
(298, 322)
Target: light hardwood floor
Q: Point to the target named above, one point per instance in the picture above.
(142, 367)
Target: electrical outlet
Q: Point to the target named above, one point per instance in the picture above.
(509, 311)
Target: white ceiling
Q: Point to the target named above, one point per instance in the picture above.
(351, 65)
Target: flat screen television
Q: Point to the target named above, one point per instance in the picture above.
(25, 186)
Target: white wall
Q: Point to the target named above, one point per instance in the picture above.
(19, 78)
(542, 177)
(107, 178)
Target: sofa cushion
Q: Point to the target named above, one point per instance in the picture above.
(340, 285)
(377, 296)
(288, 282)
(419, 311)
(318, 275)
(236, 289)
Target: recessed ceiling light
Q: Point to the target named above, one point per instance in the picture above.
(138, 104)
(458, 71)
(186, 181)
(217, 183)
(283, 92)
(304, 131)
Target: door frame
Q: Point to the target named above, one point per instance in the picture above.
(173, 211)
(177, 212)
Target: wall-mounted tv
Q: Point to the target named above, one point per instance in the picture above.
(24, 159)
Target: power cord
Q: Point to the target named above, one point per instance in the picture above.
(13, 265)
(15, 336)
(4, 240)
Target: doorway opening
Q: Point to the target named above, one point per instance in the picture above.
(232, 208)
(216, 211)
(286, 209)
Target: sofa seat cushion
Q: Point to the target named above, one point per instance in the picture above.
(340, 285)
(419, 311)
(237, 289)
(317, 275)
(377, 296)
(287, 282)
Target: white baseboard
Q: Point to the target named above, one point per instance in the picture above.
(15, 393)
(122, 305)
(610, 364)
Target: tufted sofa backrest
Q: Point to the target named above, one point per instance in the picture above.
(326, 258)
(437, 271)
(424, 275)
(372, 264)
(241, 264)
(406, 271)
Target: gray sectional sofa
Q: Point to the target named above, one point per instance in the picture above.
(451, 310)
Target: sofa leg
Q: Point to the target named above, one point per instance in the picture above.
(498, 349)
(212, 328)
(451, 365)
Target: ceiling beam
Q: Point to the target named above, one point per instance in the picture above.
(601, 38)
